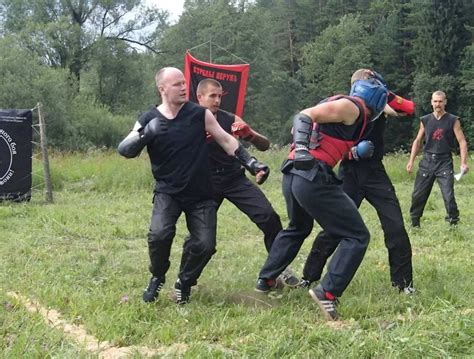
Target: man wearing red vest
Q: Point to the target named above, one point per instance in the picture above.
(366, 178)
(322, 136)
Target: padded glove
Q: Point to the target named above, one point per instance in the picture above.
(242, 130)
(363, 150)
(252, 164)
(133, 144)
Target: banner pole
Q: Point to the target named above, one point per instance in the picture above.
(44, 153)
(210, 50)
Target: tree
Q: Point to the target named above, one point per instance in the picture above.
(330, 60)
(466, 107)
(442, 36)
(119, 78)
(26, 82)
(63, 32)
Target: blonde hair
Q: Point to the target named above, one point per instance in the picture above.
(439, 93)
(361, 74)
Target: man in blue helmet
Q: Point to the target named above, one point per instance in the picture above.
(322, 136)
(366, 178)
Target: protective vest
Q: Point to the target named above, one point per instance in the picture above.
(330, 142)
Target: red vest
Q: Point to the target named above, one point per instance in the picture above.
(330, 149)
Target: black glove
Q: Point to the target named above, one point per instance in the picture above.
(302, 127)
(252, 164)
(363, 150)
(133, 144)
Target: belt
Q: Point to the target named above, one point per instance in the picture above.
(438, 156)
(225, 169)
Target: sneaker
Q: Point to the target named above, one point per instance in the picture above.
(150, 294)
(453, 221)
(265, 285)
(288, 278)
(182, 292)
(304, 283)
(326, 301)
(406, 288)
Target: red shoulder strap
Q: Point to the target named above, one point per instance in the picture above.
(364, 107)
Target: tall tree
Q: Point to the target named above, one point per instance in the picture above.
(441, 36)
(330, 60)
(63, 32)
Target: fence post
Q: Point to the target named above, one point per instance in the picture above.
(44, 153)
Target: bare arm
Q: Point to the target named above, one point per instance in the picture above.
(339, 111)
(226, 141)
(259, 141)
(462, 144)
(391, 112)
(232, 147)
(415, 147)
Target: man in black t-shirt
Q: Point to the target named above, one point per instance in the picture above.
(175, 136)
(439, 130)
(228, 177)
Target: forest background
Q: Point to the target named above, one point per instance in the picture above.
(91, 62)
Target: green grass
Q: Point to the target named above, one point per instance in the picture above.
(86, 253)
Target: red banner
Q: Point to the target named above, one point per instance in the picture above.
(233, 79)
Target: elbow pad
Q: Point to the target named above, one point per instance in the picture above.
(302, 128)
(132, 145)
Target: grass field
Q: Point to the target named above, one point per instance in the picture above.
(78, 266)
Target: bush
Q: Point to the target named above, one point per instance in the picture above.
(92, 125)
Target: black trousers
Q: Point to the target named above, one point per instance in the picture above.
(323, 200)
(198, 248)
(369, 180)
(431, 167)
(247, 197)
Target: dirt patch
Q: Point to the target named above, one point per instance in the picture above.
(78, 334)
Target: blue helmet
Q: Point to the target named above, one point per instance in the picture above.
(373, 92)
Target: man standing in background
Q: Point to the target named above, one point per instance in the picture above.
(439, 130)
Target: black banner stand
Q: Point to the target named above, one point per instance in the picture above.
(15, 154)
(16, 151)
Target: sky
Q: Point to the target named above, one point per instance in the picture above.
(175, 7)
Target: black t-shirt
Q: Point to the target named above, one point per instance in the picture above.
(439, 134)
(219, 160)
(178, 154)
(342, 131)
(375, 133)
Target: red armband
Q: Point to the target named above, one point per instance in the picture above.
(400, 104)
